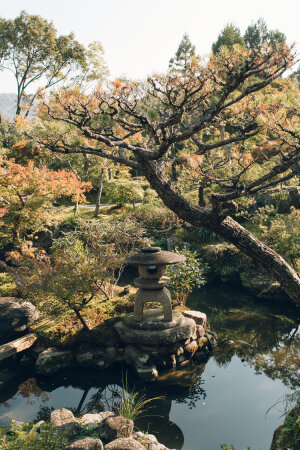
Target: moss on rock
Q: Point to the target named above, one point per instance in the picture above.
(287, 436)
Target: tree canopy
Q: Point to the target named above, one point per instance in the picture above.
(184, 56)
(256, 35)
(229, 36)
(28, 192)
(207, 135)
(136, 124)
(32, 50)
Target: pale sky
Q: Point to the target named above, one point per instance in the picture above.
(140, 36)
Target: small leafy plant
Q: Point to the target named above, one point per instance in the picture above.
(185, 276)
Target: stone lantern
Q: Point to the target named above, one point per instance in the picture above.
(151, 284)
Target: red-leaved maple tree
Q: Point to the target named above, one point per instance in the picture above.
(27, 194)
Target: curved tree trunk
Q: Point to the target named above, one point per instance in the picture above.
(227, 228)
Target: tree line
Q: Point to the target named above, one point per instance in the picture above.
(207, 136)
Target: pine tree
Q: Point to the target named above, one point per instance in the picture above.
(184, 56)
(258, 34)
(229, 36)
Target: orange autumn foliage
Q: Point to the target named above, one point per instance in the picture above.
(30, 180)
(29, 191)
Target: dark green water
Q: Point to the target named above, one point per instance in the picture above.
(224, 401)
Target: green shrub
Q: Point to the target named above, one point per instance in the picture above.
(27, 438)
(123, 191)
(84, 264)
(281, 232)
(185, 276)
(197, 237)
(7, 286)
(70, 223)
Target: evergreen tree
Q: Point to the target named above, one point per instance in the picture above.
(258, 34)
(184, 56)
(234, 90)
(229, 36)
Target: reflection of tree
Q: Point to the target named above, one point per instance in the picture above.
(282, 362)
(257, 327)
(266, 336)
(194, 394)
(29, 389)
(82, 400)
(278, 361)
(107, 397)
(44, 413)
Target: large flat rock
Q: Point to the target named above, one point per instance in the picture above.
(153, 319)
(52, 360)
(62, 416)
(199, 317)
(183, 331)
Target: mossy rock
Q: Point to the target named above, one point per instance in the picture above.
(287, 436)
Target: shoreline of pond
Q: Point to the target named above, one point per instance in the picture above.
(247, 379)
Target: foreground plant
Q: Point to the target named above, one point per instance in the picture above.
(132, 403)
(27, 438)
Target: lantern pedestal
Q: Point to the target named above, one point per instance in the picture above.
(152, 290)
(157, 339)
(154, 346)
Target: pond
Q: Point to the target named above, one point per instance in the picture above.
(237, 398)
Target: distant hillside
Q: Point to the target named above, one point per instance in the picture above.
(8, 105)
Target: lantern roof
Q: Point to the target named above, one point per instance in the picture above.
(154, 256)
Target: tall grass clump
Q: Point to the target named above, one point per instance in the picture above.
(132, 403)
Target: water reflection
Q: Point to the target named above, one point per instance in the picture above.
(223, 401)
(96, 394)
(265, 335)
